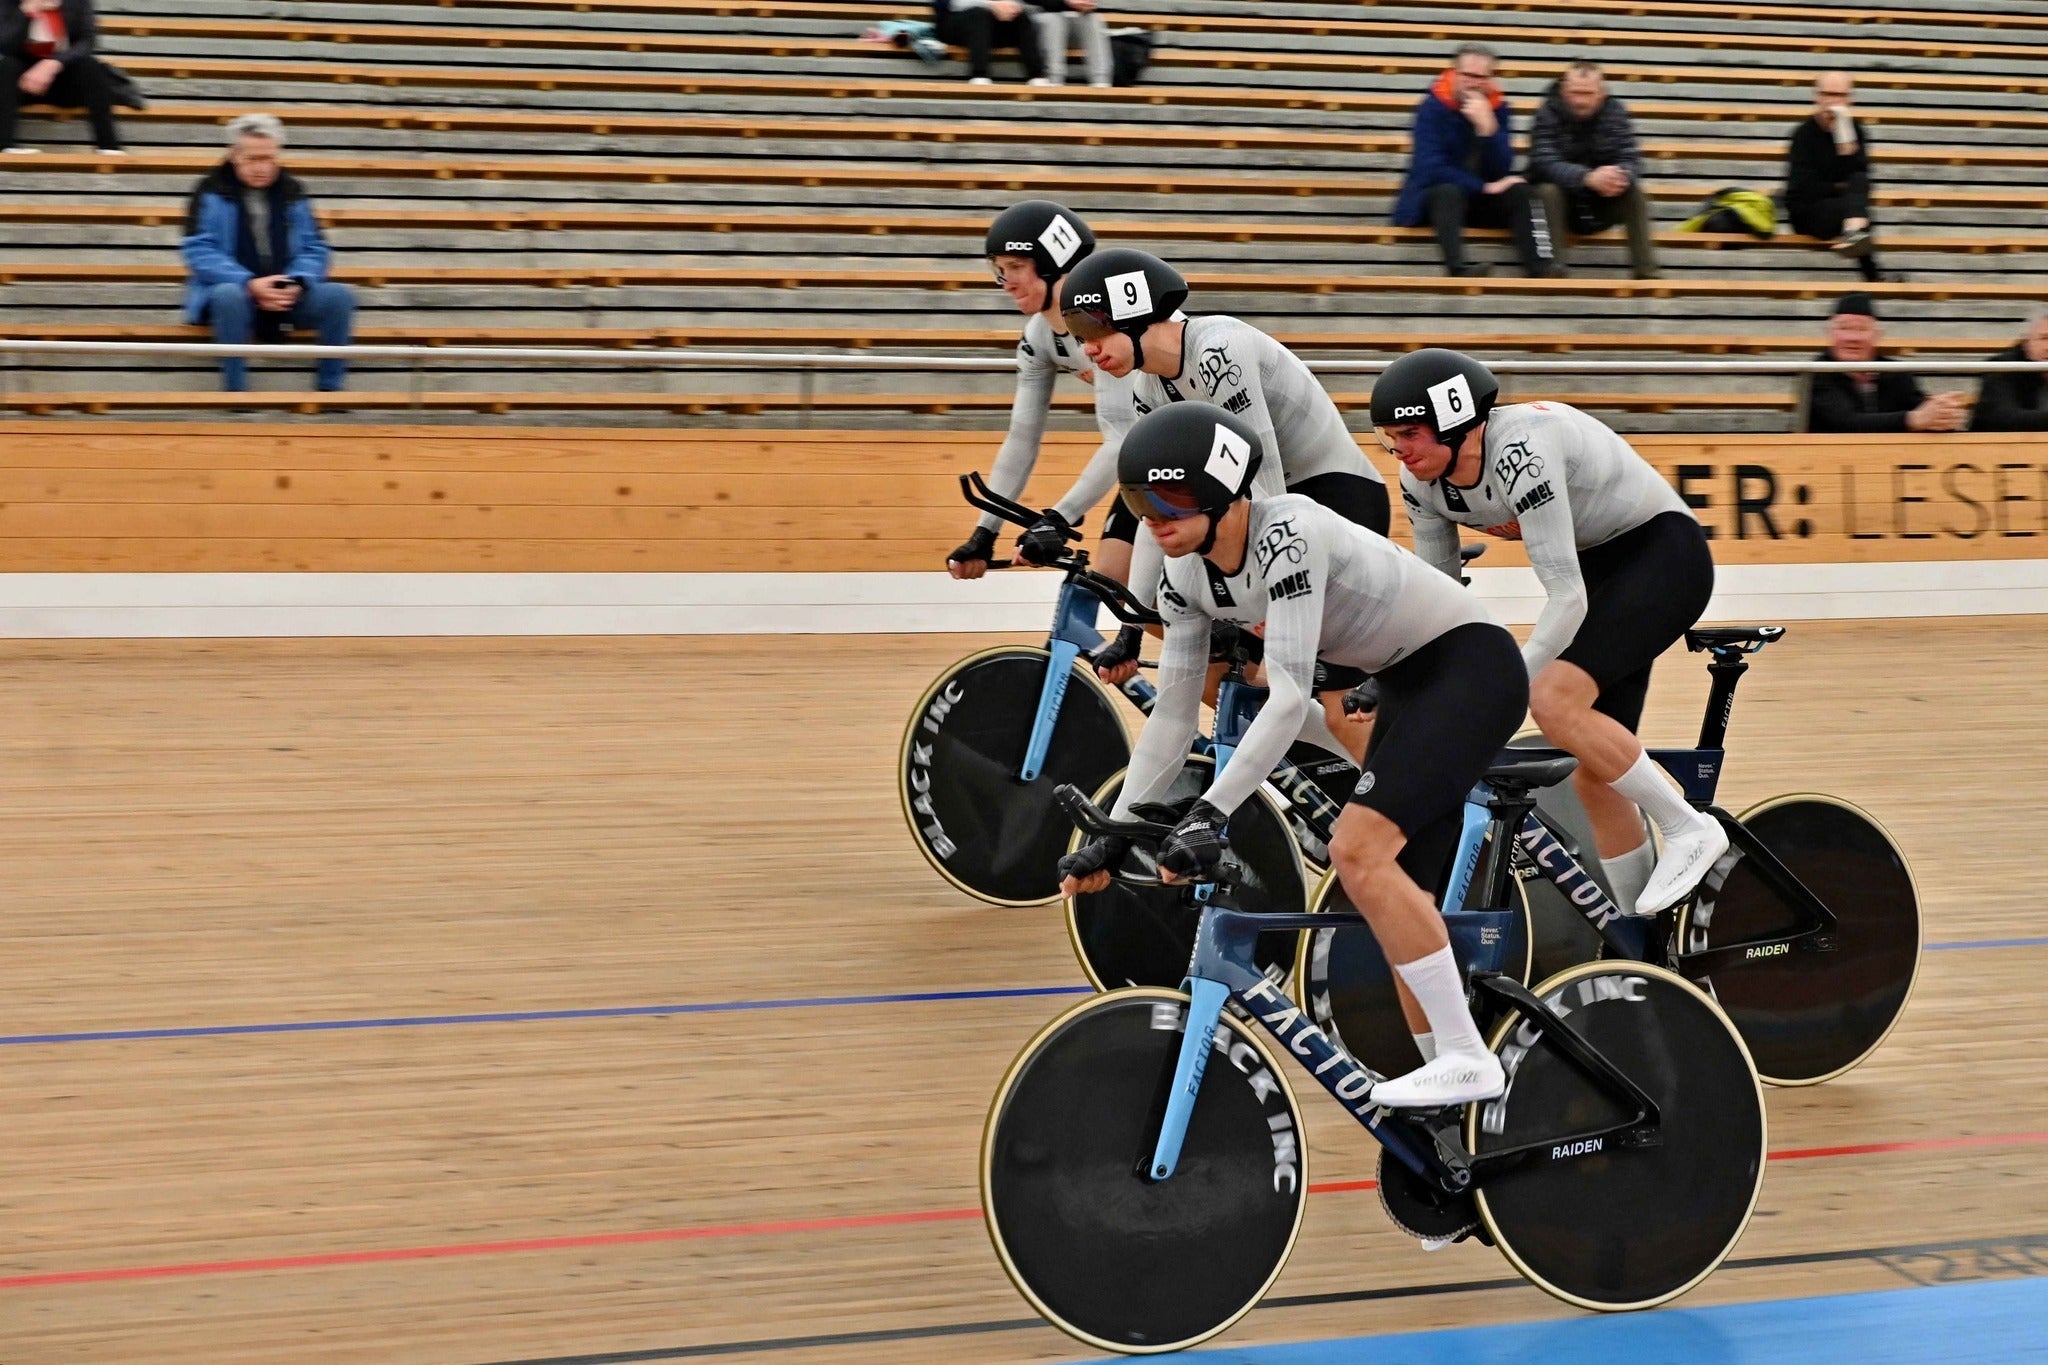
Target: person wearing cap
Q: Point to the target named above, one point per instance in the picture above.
(2017, 401)
(1030, 246)
(1322, 589)
(1625, 570)
(1125, 308)
(1882, 398)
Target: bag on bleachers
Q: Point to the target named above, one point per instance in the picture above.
(1735, 210)
(1130, 51)
(916, 35)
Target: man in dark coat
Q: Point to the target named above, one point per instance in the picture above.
(1881, 398)
(1586, 167)
(46, 56)
(1462, 168)
(2017, 400)
(257, 259)
(1827, 176)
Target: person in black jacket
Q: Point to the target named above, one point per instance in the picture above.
(2017, 401)
(1585, 165)
(1827, 176)
(1881, 398)
(982, 26)
(46, 56)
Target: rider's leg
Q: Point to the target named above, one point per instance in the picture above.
(1561, 700)
(1445, 712)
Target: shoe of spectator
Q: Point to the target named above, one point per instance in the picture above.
(979, 80)
(22, 151)
(1651, 274)
(1552, 271)
(110, 151)
(1852, 244)
(1042, 80)
(1468, 272)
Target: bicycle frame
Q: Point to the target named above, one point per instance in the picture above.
(1222, 970)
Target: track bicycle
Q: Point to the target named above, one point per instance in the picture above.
(1144, 1172)
(1806, 932)
(993, 735)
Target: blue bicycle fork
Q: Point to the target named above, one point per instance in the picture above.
(1073, 631)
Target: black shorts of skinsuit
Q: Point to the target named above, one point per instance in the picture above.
(1644, 589)
(1445, 713)
(1351, 496)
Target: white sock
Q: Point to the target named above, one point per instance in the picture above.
(1652, 790)
(1439, 987)
(1628, 873)
(1425, 1043)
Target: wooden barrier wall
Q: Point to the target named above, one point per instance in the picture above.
(176, 497)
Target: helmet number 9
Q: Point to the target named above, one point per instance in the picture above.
(1130, 295)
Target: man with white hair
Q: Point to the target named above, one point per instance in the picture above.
(258, 262)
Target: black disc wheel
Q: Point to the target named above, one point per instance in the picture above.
(1144, 935)
(995, 837)
(1599, 1222)
(1349, 985)
(1562, 936)
(1119, 1261)
(1810, 1016)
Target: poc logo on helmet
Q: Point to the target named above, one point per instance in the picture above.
(1166, 475)
(1021, 248)
(1403, 414)
(1087, 298)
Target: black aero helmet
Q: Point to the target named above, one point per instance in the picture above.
(1186, 458)
(1120, 290)
(1443, 389)
(1052, 235)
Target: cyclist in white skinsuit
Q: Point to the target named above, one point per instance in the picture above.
(1452, 692)
(1625, 567)
(1030, 246)
(1124, 306)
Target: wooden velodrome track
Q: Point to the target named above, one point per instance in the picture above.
(206, 835)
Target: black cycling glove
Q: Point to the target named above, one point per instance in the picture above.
(1099, 855)
(1196, 844)
(1122, 650)
(1363, 699)
(1047, 539)
(981, 545)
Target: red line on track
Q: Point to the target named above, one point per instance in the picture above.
(325, 1260)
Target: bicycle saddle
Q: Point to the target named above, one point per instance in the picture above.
(1529, 774)
(1731, 637)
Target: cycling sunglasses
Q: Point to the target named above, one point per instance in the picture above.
(1090, 324)
(1151, 502)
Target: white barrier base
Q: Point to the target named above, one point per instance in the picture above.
(114, 605)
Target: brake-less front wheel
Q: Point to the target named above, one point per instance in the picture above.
(983, 829)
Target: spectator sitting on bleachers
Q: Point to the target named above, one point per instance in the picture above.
(2017, 401)
(1061, 22)
(46, 56)
(1461, 168)
(1586, 167)
(982, 26)
(1882, 398)
(1827, 176)
(257, 259)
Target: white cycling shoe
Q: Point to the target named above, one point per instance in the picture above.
(1454, 1078)
(1686, 859)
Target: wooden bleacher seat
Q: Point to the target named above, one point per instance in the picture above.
(873, 224)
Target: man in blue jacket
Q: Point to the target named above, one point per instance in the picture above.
(1461, 169)
(258, 262)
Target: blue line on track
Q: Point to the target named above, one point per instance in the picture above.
(530, 1016)
(1986, 1323)
(648, 1011)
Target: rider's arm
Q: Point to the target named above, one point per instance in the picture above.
(1436, 538)
(1115, 412)
(1295, 580)
(1176, 716)
(1148, 566)
(1019, 455)
(1552, 543)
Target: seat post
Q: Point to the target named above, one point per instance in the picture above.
(1727, 670)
